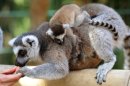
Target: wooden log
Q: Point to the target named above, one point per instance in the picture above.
(79, 78)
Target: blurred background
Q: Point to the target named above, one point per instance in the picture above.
(19, 16)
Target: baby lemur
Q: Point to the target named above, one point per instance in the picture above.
(66, 17)
(69, 16)
(96, 41)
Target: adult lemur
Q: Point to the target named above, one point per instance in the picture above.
(96, 44)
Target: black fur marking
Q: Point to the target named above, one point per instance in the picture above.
(106, 25)
(116, 34)
(102, 24)
(110, 27)
(94, 54)
(22, 53)
(126, 38)
(128, 53)
(97, 23)
(93, 16)
(113, 30)
(57, 30)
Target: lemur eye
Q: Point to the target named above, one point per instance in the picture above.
(22, 52)
(58, 41)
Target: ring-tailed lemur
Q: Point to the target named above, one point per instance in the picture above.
(72, 16)
(66, 17)
(55, 57)
(94, 39)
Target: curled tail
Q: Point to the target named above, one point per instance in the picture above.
(108, 26)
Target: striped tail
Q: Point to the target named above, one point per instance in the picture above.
(108, 26)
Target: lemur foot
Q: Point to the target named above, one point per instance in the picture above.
(101, 74)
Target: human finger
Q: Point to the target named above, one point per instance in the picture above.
(10, 71)
(8, 84)
(10, 78)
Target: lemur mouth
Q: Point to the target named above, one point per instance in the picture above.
(21, 62)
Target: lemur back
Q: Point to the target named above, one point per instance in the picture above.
(66, 15)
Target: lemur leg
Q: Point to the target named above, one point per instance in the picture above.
(102, 42)
(127, 52)
(81, 17)
(53, 68)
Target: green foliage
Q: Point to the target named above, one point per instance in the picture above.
(120, 59)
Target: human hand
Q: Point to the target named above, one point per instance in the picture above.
(8, 78)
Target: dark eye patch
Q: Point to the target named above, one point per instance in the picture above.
(22, 53)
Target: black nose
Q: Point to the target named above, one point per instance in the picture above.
(21, 62)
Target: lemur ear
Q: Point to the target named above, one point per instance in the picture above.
(49, 32)
(11, 42)
(30, 41)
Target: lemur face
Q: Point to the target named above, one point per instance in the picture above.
(25, 48)
(58, 32)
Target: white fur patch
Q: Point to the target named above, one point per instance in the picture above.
(49, 32)
(11, 42)
(16, 49)
(32, 38)
(32, 51)
(60, 37)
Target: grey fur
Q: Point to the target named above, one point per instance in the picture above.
(108, 26)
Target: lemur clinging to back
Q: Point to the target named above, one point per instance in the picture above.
(94, 39)
(73, 16)
(66, 17)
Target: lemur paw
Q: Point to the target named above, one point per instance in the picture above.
(101, 75)
(25, 71)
